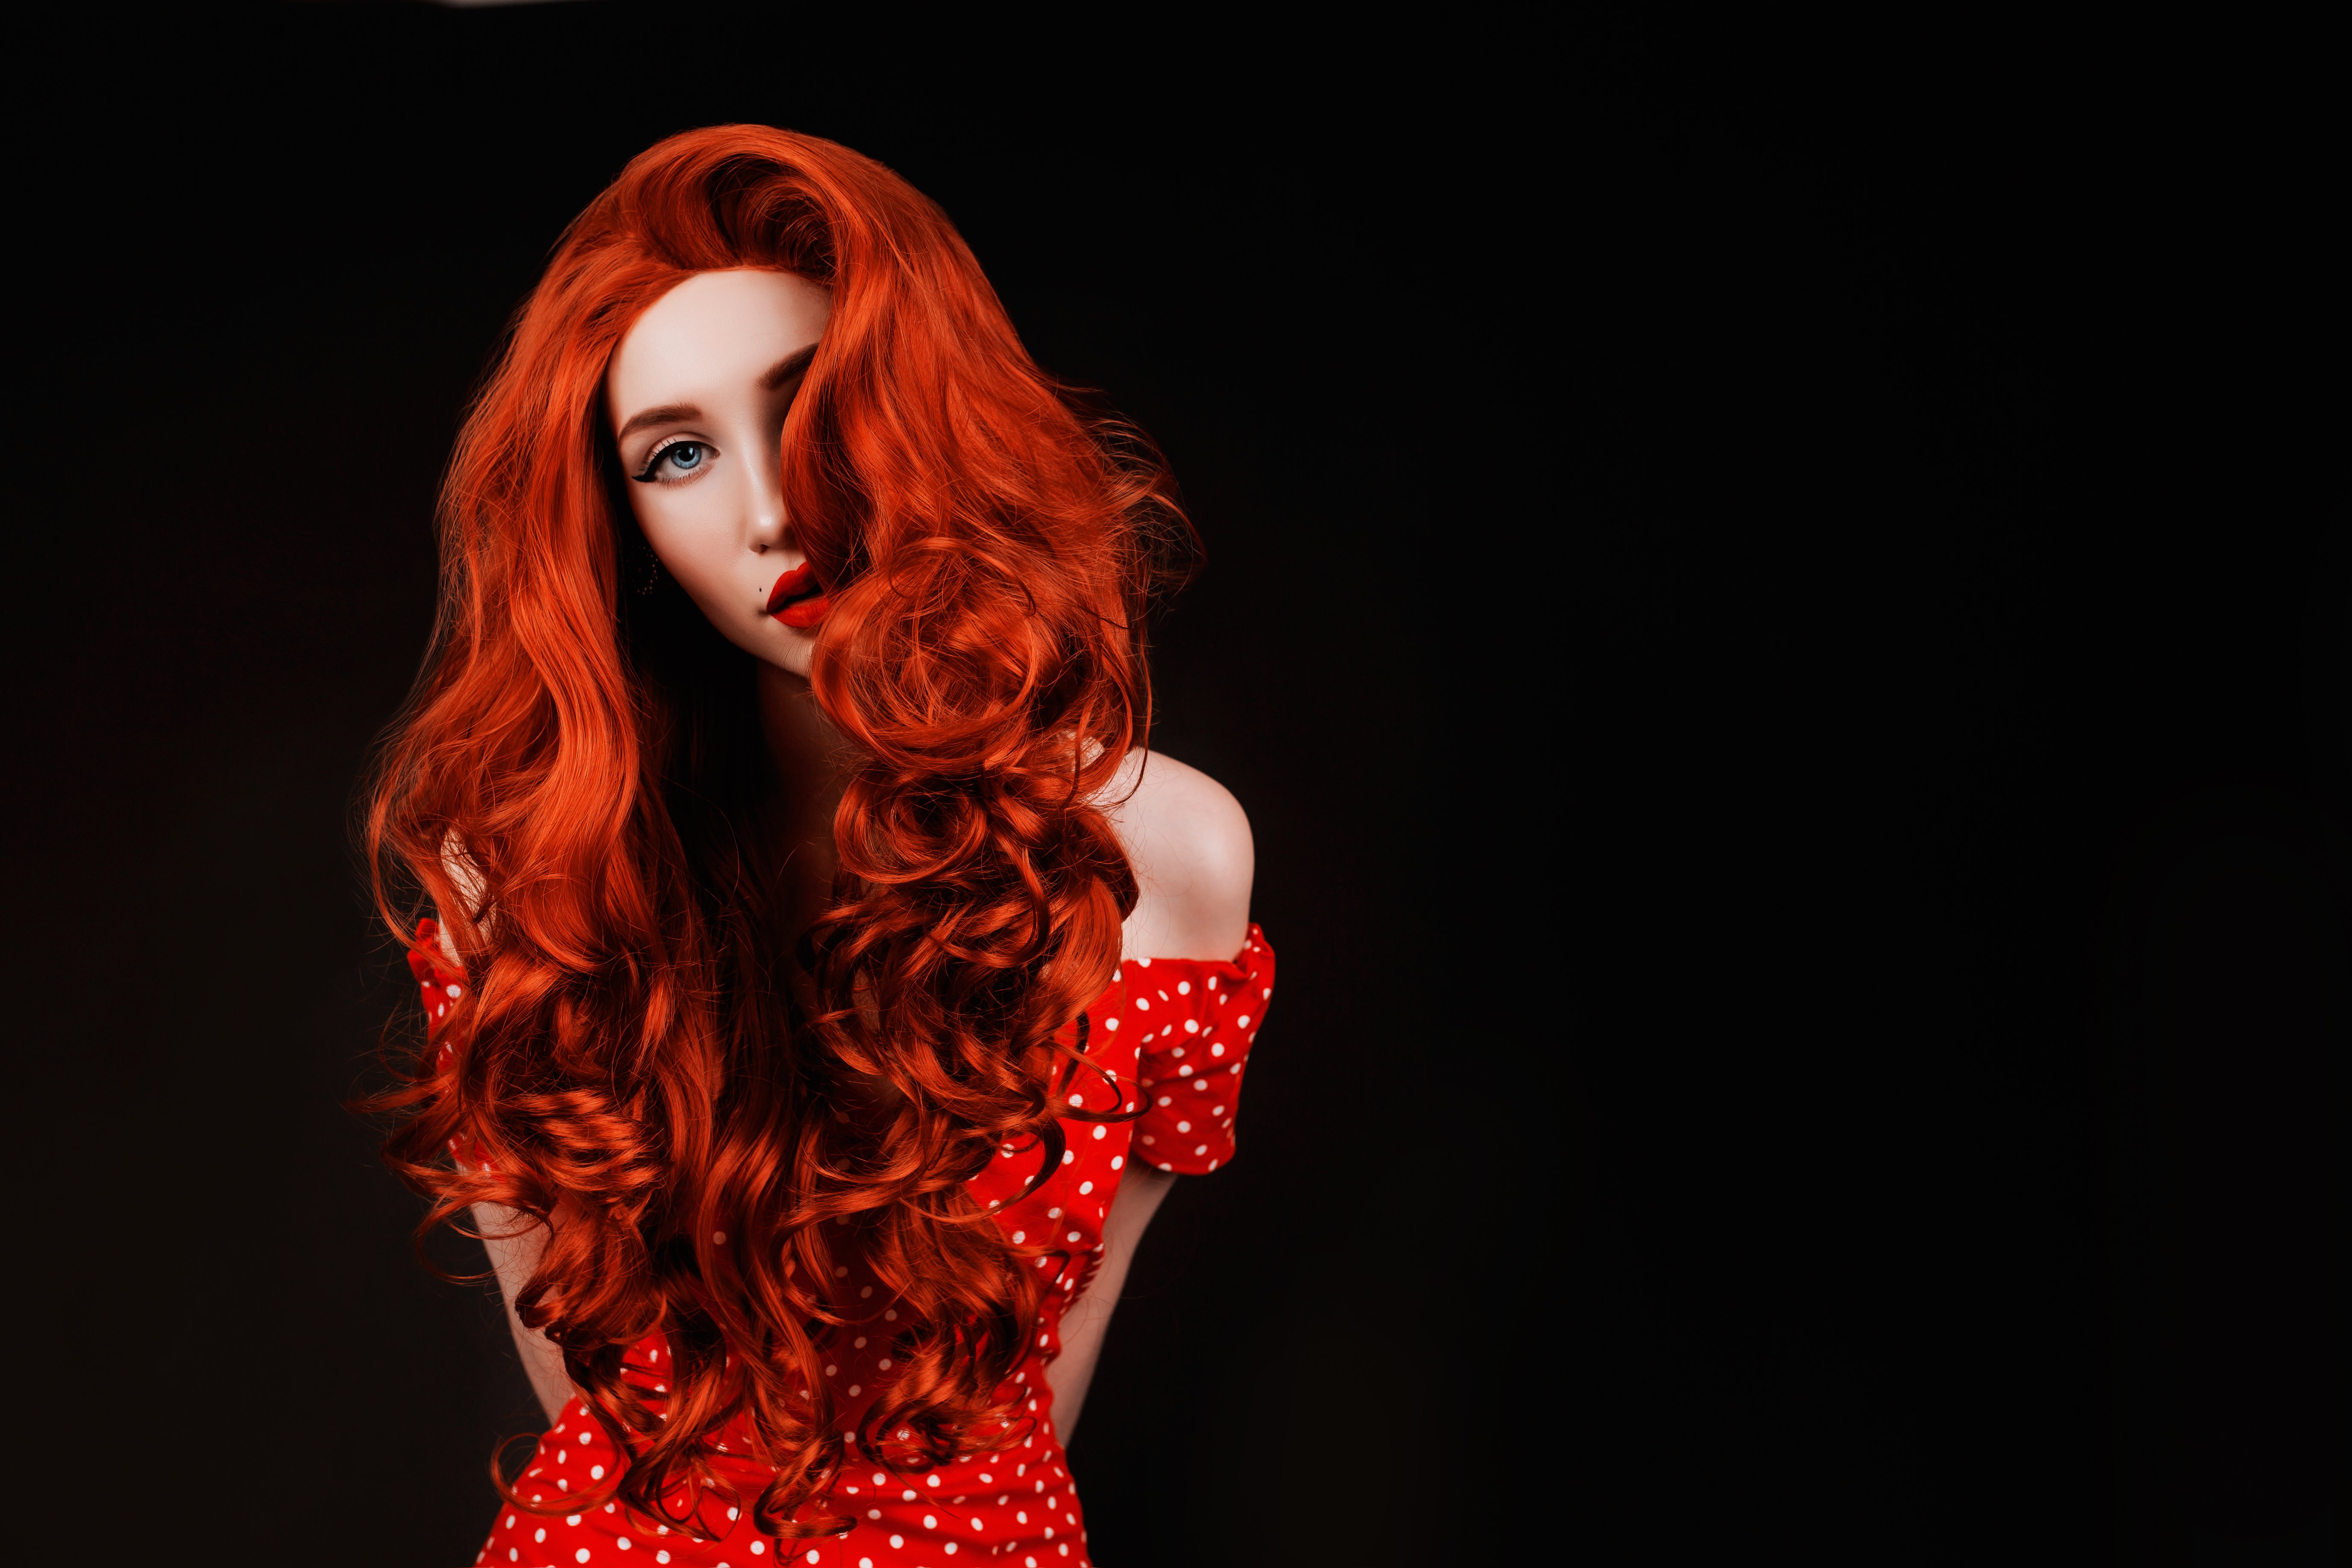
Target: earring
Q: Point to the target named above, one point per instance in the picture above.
(653, 574)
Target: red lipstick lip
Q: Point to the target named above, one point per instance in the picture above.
(798, 582)
(798, 599)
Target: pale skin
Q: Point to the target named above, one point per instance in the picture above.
(695, 399)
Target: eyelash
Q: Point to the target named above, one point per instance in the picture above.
(653, 461)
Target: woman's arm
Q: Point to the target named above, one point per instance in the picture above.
(1084, 1325)
(513, 1242)
(1189, 845)
(514, 1255)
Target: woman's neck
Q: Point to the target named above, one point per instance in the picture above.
(814, 763)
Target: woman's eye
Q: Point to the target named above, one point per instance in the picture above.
(680, 457)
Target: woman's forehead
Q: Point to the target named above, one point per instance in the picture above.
(714, 332)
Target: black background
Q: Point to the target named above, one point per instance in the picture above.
(1778, 604)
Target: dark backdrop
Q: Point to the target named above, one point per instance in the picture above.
(1770, 602)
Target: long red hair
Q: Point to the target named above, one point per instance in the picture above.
(576, 780)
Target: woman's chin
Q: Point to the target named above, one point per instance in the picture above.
(791, 653)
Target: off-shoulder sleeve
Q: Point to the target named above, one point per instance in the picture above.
(438, 984)
(1196, 1022)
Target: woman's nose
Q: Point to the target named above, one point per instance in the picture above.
(768, 523)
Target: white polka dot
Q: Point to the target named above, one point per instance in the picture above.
(1101, 1130)
(1018, 1238)
(1218, 1049)
(540, 1534)
(897, 1541)
(758, 1547)
(1110, 1023)
(1184, 1071)
(580, 1555)
(1184, 1127)
(595, 1472)
(1117, 1160)
(572, 1520)
(1143, 1004)
(1201, 1150)
(621, 1541)
(1068, 1156)
(1244, 1020)
(931, 1521)
(1085, 1186)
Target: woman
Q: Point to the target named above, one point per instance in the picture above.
(815, 945)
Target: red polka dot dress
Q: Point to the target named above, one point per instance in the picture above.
(1171, 1034)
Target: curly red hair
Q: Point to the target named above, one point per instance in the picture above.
(627, 1056)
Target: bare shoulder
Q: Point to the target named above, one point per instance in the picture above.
(1188, 841)
(467, 880)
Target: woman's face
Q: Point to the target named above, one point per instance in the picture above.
(697, 394)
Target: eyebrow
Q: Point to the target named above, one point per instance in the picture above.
(783, 371)
(667, 413)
